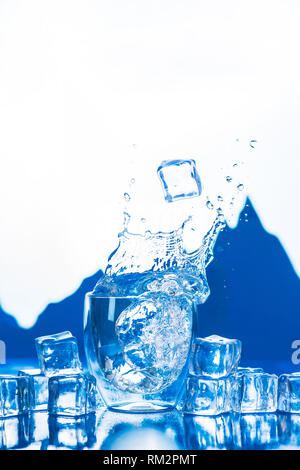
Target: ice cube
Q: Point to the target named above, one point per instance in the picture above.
(179, 179)
(72, 395)
(215, 356)
(39, 388)
(206, 396)
(217, 432)
(258, 391)
(154, 332)
(259, 431)
(289, 393)
(58, 354)
(15, 395)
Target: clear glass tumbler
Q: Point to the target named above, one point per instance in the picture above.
(134, 376)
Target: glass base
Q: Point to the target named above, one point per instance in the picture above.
(141, 407)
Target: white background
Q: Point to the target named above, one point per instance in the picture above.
(82, 81)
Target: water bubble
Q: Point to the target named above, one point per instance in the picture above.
(252, 143)
(240, 187)
(126, 197)
(228, 179)
(209, 205)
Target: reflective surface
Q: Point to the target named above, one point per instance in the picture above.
(108, 430)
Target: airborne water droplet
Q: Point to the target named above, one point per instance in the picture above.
(126, 219)
(132, 181)
(228, 179)
(252, 143)
(209, 205)
(126, 197)
(220, 198)
(240, 187)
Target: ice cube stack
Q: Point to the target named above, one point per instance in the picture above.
(216, 384)
(60, 385)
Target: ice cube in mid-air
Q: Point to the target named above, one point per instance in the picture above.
(179, 179)
(289, 393)
(215, 356)
(72, 395)
(58, 354)
(258, 391)
(206, 396)
(39, 388)
(15, 395)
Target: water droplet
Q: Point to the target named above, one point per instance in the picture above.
(209, 205)
(126, 197)
(126, 219)
(220, 198)
(240, 187)
(237, 140)
(252, 143)
(228, 179)
(235, 165)
(143, 220)
(132, 181)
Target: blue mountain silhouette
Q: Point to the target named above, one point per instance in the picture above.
(255, 296)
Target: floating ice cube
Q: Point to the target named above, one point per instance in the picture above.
(215, 356)
(58, 354)
(206, 396)
(259, 431)
(179, 179)
(38, 383)
(289, 393)
(155, 334)
(258, 391)
(124, 377)
(72, 395)
(15, 395)
(207, 432)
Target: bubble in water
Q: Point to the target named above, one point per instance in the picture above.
(228, 179)
(252, 143)
(126, 197)
(209, 205)
(240, 187)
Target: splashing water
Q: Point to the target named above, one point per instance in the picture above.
(164, 273)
